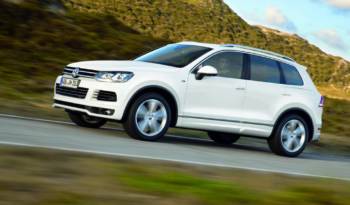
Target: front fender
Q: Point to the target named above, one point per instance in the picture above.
(158, 84)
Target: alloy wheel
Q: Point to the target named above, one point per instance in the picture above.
(293, 135)
(151, 117)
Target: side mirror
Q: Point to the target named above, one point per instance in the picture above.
(206, 71)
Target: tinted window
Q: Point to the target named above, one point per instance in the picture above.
(264, 69)
(228, 64)
(177, 55)
(291, 75)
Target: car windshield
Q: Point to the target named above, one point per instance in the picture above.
(177, 55)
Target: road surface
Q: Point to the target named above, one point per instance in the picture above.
(65, 136)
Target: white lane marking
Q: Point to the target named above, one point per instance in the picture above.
(144, 157)
(116, 154)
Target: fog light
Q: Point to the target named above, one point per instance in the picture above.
(108, 112)
(101, 111)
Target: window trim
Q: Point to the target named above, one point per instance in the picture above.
(247, 66)
(283, 79)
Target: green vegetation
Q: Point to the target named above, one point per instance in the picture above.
(337, 117)
(53, 177)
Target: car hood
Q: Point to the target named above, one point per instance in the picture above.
(121, 66)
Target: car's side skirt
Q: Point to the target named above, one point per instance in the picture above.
(224, 125)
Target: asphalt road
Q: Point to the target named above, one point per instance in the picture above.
(247, 154)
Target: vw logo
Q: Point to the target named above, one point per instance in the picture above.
(75, 73)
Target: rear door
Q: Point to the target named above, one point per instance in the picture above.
(265, 93)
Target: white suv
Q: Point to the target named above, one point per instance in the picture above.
(227, 90)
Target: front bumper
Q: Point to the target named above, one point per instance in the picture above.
(90, 104)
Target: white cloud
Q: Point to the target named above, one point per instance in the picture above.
(275, 17)
(331, 38)
(342, 4)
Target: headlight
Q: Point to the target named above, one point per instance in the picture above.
(118, 76)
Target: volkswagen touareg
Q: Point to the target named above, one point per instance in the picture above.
(229, 91)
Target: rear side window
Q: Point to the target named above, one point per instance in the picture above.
(264, 70)
(291, 75)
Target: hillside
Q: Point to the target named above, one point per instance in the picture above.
(213, 21)
(37, 38)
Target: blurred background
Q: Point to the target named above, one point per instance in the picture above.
(39, 37)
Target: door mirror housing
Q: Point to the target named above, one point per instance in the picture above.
(206, 71)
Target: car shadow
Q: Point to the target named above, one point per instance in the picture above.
(253, 145)
(209, 143)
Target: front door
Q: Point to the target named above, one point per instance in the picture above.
(215, 102)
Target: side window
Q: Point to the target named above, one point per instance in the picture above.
(264, 69)
(228, 64)
(291, 75)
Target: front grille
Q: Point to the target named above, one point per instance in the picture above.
(106, 96)
(71, 92)
(82, 72)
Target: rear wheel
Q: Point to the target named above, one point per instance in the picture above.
(84, 120)
(148, 118)
(223, 138)
(290, 136)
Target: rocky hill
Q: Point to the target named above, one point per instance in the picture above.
(213, 21)
(40, 36)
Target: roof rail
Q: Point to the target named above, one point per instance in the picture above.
(260, 51)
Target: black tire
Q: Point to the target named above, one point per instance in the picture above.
(130, 125)
(223, 138)
(275, 140)
(84, 120)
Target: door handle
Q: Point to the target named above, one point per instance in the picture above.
(286, 94)
(240, 88)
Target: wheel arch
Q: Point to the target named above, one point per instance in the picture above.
(155, 89)
(300, 112)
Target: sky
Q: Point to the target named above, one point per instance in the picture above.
(324, 23)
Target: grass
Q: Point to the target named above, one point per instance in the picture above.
(337, 117)
(42, 176)
(334, 92)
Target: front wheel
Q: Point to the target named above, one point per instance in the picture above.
(84, 120)
(290, 136)
(148, 118)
